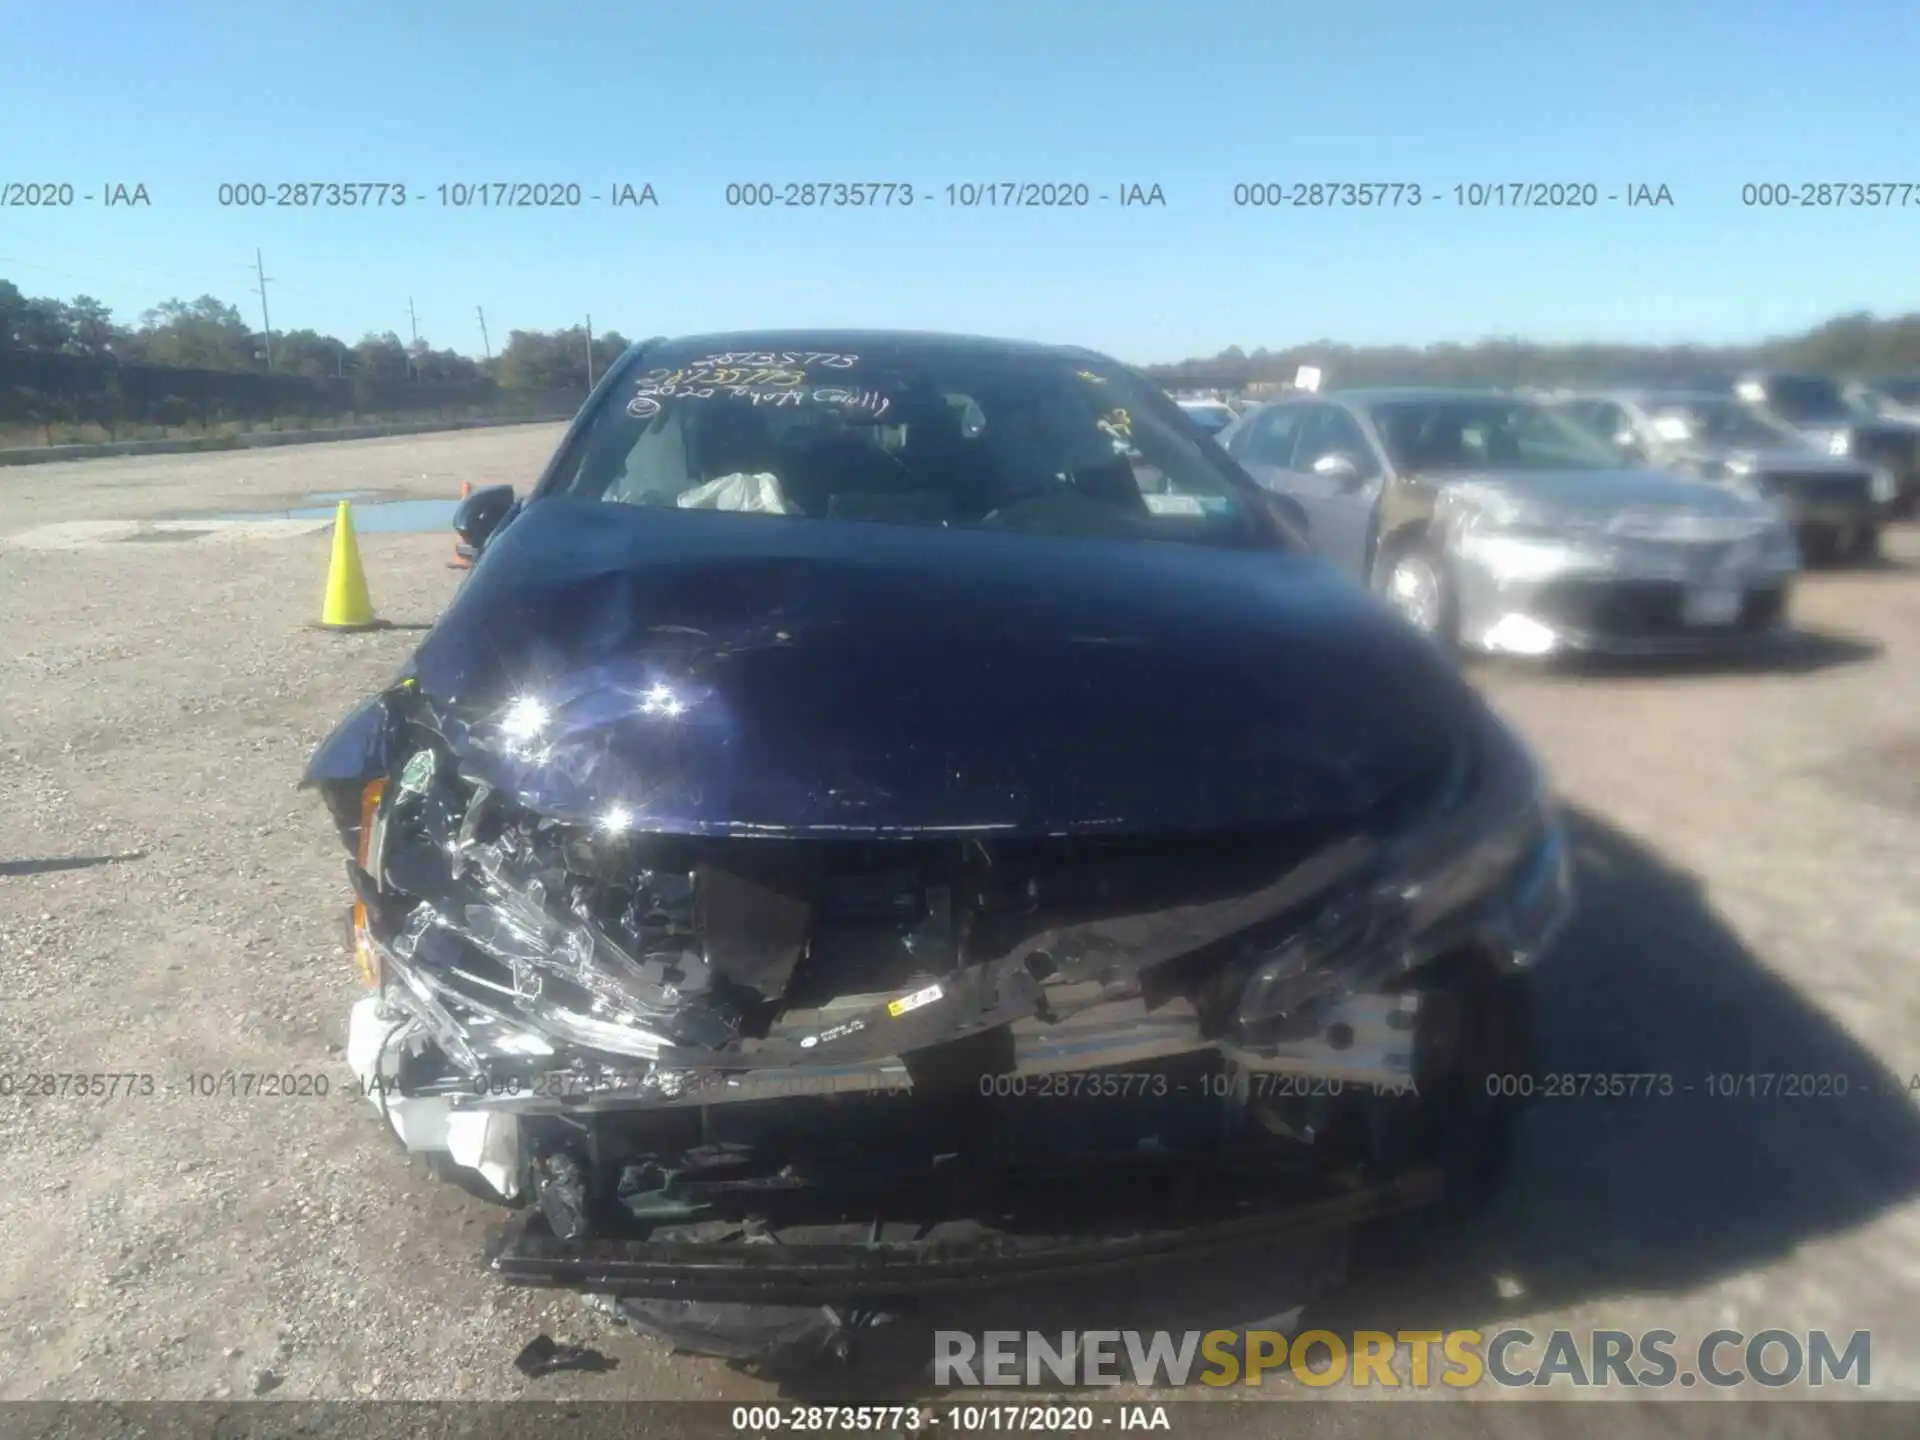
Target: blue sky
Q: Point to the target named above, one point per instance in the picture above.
(1702, 97)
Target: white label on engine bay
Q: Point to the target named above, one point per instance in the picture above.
(914, 1001)
(852, 1027)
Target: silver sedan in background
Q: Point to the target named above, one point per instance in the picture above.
(1837, 504)
(1494, 524)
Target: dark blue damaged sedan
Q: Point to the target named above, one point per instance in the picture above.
(915, 798)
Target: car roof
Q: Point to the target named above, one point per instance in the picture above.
(855, 342)
(1649, 395)
(1382, 394)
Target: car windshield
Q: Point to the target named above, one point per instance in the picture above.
(1726, 422)
(1807, 399)
(1491, 432)
(913, 434)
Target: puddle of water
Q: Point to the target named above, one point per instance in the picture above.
(392, 517)
(163, 536)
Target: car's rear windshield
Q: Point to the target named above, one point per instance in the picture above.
(960, 436)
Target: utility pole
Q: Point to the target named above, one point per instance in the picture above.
(589, 354)
(413, 322)
(483, 331)
(266, 324)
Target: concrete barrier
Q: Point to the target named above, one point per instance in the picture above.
(49, 454)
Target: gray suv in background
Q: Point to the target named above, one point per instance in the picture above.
(1835, 503)
(1817, 406)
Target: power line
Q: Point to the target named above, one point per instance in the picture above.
(266, 323)
(483, 331)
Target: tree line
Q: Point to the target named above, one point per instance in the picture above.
(1861, 345)
(70, 371)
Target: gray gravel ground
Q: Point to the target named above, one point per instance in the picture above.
(169, 905)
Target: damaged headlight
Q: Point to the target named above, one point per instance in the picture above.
(1488, 865)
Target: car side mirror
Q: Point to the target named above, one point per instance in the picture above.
(1338, 466)
(479, 515)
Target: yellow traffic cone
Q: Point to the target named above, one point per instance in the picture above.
(347, 606)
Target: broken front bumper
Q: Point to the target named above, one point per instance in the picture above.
(1166, 1050)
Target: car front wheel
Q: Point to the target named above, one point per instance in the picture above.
(1415, 582)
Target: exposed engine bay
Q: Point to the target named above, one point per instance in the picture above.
(660, 1045)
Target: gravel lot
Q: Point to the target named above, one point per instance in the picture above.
(169, 905)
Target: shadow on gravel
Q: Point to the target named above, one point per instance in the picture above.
(1660, 1193)
(1802, 653)
(1663, 1194)
(12, 868)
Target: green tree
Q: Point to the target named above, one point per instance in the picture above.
(204, 334)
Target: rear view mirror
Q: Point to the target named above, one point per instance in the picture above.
(480, 514)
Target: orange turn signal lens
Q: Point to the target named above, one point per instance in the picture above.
(365, 958)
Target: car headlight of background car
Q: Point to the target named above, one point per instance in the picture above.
(1513, 540)
(1840, 443)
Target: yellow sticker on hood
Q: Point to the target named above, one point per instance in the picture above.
(914, 1001)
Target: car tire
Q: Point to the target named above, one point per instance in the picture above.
(1465, 1115)
(1865, 548)
(1415, 579)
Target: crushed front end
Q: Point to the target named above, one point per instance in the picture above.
(813, 1068)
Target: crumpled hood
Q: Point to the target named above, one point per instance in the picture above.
(726, 674)
(1583, 499)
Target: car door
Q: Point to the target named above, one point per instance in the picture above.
(1341, 504)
